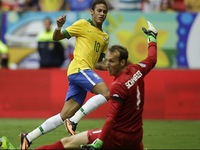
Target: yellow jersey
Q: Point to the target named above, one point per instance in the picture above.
(90, 43)
(45, 36)
(3, 48)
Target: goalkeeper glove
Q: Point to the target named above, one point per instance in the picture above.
(97, 144)
(151, 33)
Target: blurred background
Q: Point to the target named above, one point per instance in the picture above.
(33, 67)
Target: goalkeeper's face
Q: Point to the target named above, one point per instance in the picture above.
(113, 63)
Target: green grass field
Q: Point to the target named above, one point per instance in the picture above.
(157, 134)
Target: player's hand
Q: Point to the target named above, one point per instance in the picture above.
(61, 20)
(97, 144)
(151, 33)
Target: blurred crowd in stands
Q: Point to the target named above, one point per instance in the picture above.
(83, 5)
(80, 5)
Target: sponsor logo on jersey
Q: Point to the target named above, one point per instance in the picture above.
(142, 65)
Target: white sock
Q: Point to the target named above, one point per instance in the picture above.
(89, 106)
(49, 125)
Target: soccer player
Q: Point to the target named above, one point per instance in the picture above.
(90, 47)
(4, 55)
(123, 126)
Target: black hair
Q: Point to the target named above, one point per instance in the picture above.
(48, 18)
(95, 2)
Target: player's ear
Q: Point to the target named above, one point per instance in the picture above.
(91, 11)
(123, 62)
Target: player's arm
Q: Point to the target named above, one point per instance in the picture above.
(149, 63)
(100, 65)
(58, 34)
(114, 108)
(151, 34)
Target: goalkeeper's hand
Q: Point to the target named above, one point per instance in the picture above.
(151, 33)
(97, 144)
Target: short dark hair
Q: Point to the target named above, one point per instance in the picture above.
(122, 50)
(95, 2)
(48, 18)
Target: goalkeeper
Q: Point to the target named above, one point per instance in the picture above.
(123, 125)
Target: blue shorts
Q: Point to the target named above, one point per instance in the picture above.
(80, 83)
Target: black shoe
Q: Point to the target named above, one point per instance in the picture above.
(25, 144)
(70, 126)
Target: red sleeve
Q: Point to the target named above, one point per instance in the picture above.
(114, 108)
(152, 53)
(150, 62)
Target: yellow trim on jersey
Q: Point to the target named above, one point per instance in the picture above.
(90, 43)
(45, 36)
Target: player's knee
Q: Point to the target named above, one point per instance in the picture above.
(65, 115)
(106, 94)
(102, 89)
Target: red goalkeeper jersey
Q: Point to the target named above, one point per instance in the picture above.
(127, 97)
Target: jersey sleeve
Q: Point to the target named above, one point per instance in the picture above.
(149, 63)
(74, 30)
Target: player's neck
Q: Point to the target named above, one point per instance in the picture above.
(99, 26)
(120, 72)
